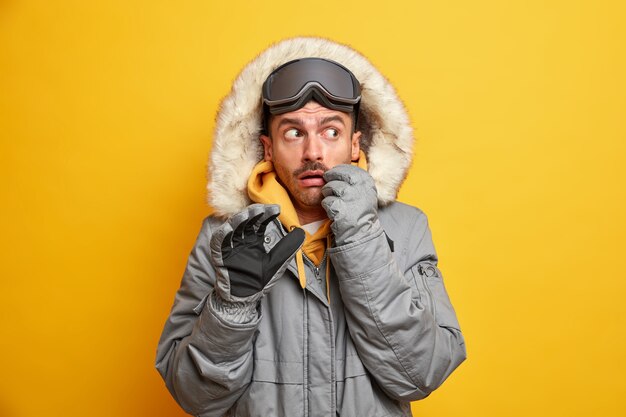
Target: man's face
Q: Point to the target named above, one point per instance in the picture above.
(305, 143)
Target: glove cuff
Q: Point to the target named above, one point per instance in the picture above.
(239, 312)
(355, 234)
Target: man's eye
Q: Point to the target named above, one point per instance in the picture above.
(292, 134)
(331, 133)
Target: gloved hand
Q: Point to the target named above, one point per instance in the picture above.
(351, 202)
(243, 266)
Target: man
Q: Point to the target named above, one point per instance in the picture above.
(310, 291)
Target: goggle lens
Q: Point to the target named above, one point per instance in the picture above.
(293, 79)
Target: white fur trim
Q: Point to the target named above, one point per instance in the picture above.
(387, 133)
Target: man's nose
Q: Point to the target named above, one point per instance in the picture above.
(312, 149)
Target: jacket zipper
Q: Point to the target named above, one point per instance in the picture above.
(331, 332)
(316, 269)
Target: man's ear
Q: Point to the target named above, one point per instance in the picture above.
(356, 145)
(267, 147)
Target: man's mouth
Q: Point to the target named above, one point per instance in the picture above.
(312, 179)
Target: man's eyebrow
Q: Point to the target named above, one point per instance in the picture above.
(290, 121)
(299, 122)
(329, 119)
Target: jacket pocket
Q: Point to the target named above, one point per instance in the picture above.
(276, 389)
(278, 372)
(433, 295)
(360, 396)
(263, 399)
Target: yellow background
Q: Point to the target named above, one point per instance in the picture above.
(106, 115)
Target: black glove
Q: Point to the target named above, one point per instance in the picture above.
(247, 268)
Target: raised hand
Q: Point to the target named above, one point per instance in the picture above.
(244, 267)
(351, 202)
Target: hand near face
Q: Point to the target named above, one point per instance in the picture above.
(351, 202)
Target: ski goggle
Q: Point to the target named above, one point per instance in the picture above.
(290, 86)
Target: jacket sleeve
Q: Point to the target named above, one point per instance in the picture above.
(205, 351)
(399, 317)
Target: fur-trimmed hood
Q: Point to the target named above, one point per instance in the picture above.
(387, 138)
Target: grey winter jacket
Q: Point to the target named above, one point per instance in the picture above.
(388, 335)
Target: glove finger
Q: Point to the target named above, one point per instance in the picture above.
(219, 235)
(238, 221)
(243, 216)
(221, 241)
(245, 231)
(330, 204)
(282, 252)
(261, 230)
(270, 214)
(226, 244)
(343, 172)
(335, 187)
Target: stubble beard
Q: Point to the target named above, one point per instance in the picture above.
(310, 197)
